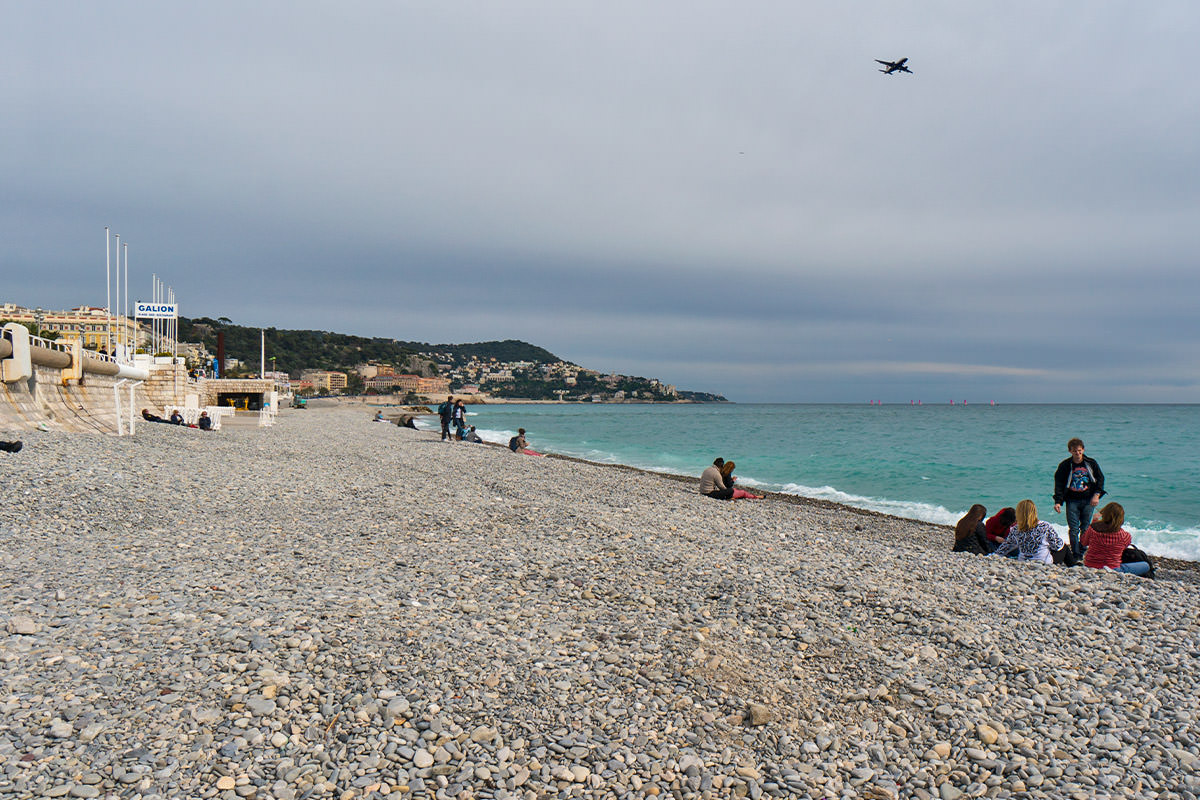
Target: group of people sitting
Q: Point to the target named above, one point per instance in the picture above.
(204, 423)
(1020, 534)
(717, 482)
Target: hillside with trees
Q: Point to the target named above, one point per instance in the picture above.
(526, 372)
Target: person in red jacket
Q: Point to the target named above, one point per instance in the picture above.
(1106, 540)
(996, 528)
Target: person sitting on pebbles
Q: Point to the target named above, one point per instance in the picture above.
(712, 482)
(1032, 539)
(970, 534)
(728, 477)
(1106, 541)
(998, 525)
(518, 444)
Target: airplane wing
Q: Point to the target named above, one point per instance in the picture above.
(885, 63)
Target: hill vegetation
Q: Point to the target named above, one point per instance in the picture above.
(293, 351)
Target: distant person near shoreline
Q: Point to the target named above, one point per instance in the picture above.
(1078, 484)
(458, 415)
(728, 479)
(446, 413)
(712, 483)
(518, 444)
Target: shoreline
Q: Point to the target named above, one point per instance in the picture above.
(1160, 562)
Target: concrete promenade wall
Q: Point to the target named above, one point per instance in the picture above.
(88, 405)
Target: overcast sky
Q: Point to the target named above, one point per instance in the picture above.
(726, 196)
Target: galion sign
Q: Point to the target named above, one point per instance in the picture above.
(156, 310)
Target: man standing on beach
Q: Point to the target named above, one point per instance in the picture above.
(1078, 483)
(446, 412)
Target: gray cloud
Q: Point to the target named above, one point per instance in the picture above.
(728, 198)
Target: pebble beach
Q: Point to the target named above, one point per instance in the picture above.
(338, 608)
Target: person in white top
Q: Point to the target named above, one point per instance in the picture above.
(1032, 538)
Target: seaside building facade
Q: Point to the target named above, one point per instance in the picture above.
(91, 325)
(325, 380)
(399, 384)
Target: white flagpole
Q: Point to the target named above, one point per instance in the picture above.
(118, 297)
(262, 353)
(108, 290)
(133, 345)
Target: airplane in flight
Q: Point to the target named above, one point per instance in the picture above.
(894, 66)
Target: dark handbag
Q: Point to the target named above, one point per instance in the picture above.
(1131, 553)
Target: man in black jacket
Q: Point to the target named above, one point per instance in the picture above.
(1079, 484)
(446, 412)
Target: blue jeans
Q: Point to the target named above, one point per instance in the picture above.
(1079, 516)
(1135, 568)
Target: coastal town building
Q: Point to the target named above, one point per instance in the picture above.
(436, 385)
(393, 383)
(325, 380)
(89, 324)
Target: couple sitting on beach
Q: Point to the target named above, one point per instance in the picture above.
(1031, 539)
(717, 482)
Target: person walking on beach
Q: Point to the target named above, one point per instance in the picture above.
(712, 483)
(1078, 484)
(1030, 537)
(446, 413)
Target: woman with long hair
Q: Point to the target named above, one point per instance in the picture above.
(1030, 537)
(970, 535)
(728, 477)
(1106, 541)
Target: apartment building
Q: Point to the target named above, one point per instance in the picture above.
(325, 380)
(89, 324)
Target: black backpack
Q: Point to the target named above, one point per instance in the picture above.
(1131, 553)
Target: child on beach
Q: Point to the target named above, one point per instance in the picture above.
(1031, 538)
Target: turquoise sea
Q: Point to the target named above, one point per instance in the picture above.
(928, 462)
